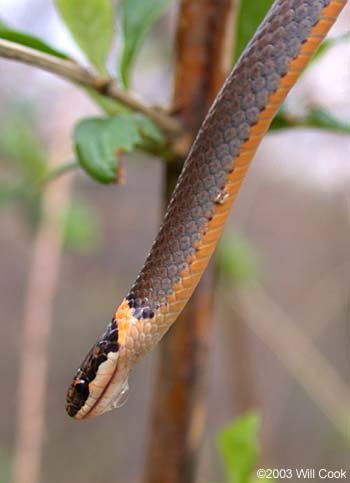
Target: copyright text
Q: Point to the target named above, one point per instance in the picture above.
(301, 473)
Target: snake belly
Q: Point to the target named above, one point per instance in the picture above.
(211, 177)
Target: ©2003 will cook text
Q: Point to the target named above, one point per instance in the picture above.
(301, 473)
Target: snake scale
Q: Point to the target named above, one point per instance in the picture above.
(208, 185)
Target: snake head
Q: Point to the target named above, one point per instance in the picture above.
(100, 384)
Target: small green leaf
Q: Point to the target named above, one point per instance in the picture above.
(28, 40)
(91, 25)
(238, 446)
(136, 19)
(237, 259)
(100, 141)
(81, 231)
(250, 15)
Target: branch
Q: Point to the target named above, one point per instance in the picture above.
(179, 405)
(58, 171)
(74, 72)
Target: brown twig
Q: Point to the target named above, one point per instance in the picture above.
(179, 406)
(74, 72)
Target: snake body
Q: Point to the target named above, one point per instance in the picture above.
(206, 189)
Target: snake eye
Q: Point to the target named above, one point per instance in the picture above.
(82, 389)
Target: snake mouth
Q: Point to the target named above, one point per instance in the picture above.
(108, 390)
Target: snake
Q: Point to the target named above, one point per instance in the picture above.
(210, 179)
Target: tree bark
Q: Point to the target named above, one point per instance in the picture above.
(179, 407)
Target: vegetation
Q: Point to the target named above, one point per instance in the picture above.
(124, 125)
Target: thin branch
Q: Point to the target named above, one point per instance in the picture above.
(74, 72)
(58, 171)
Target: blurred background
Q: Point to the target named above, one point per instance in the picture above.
(280, 330)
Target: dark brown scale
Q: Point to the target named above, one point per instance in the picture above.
(227, 126)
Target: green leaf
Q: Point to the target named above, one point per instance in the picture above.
(81, 230)
(136, 19)
(237, 259)
(250, 15)
(238, 446)
(100, 141)
(28, 40)
(91, 25)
